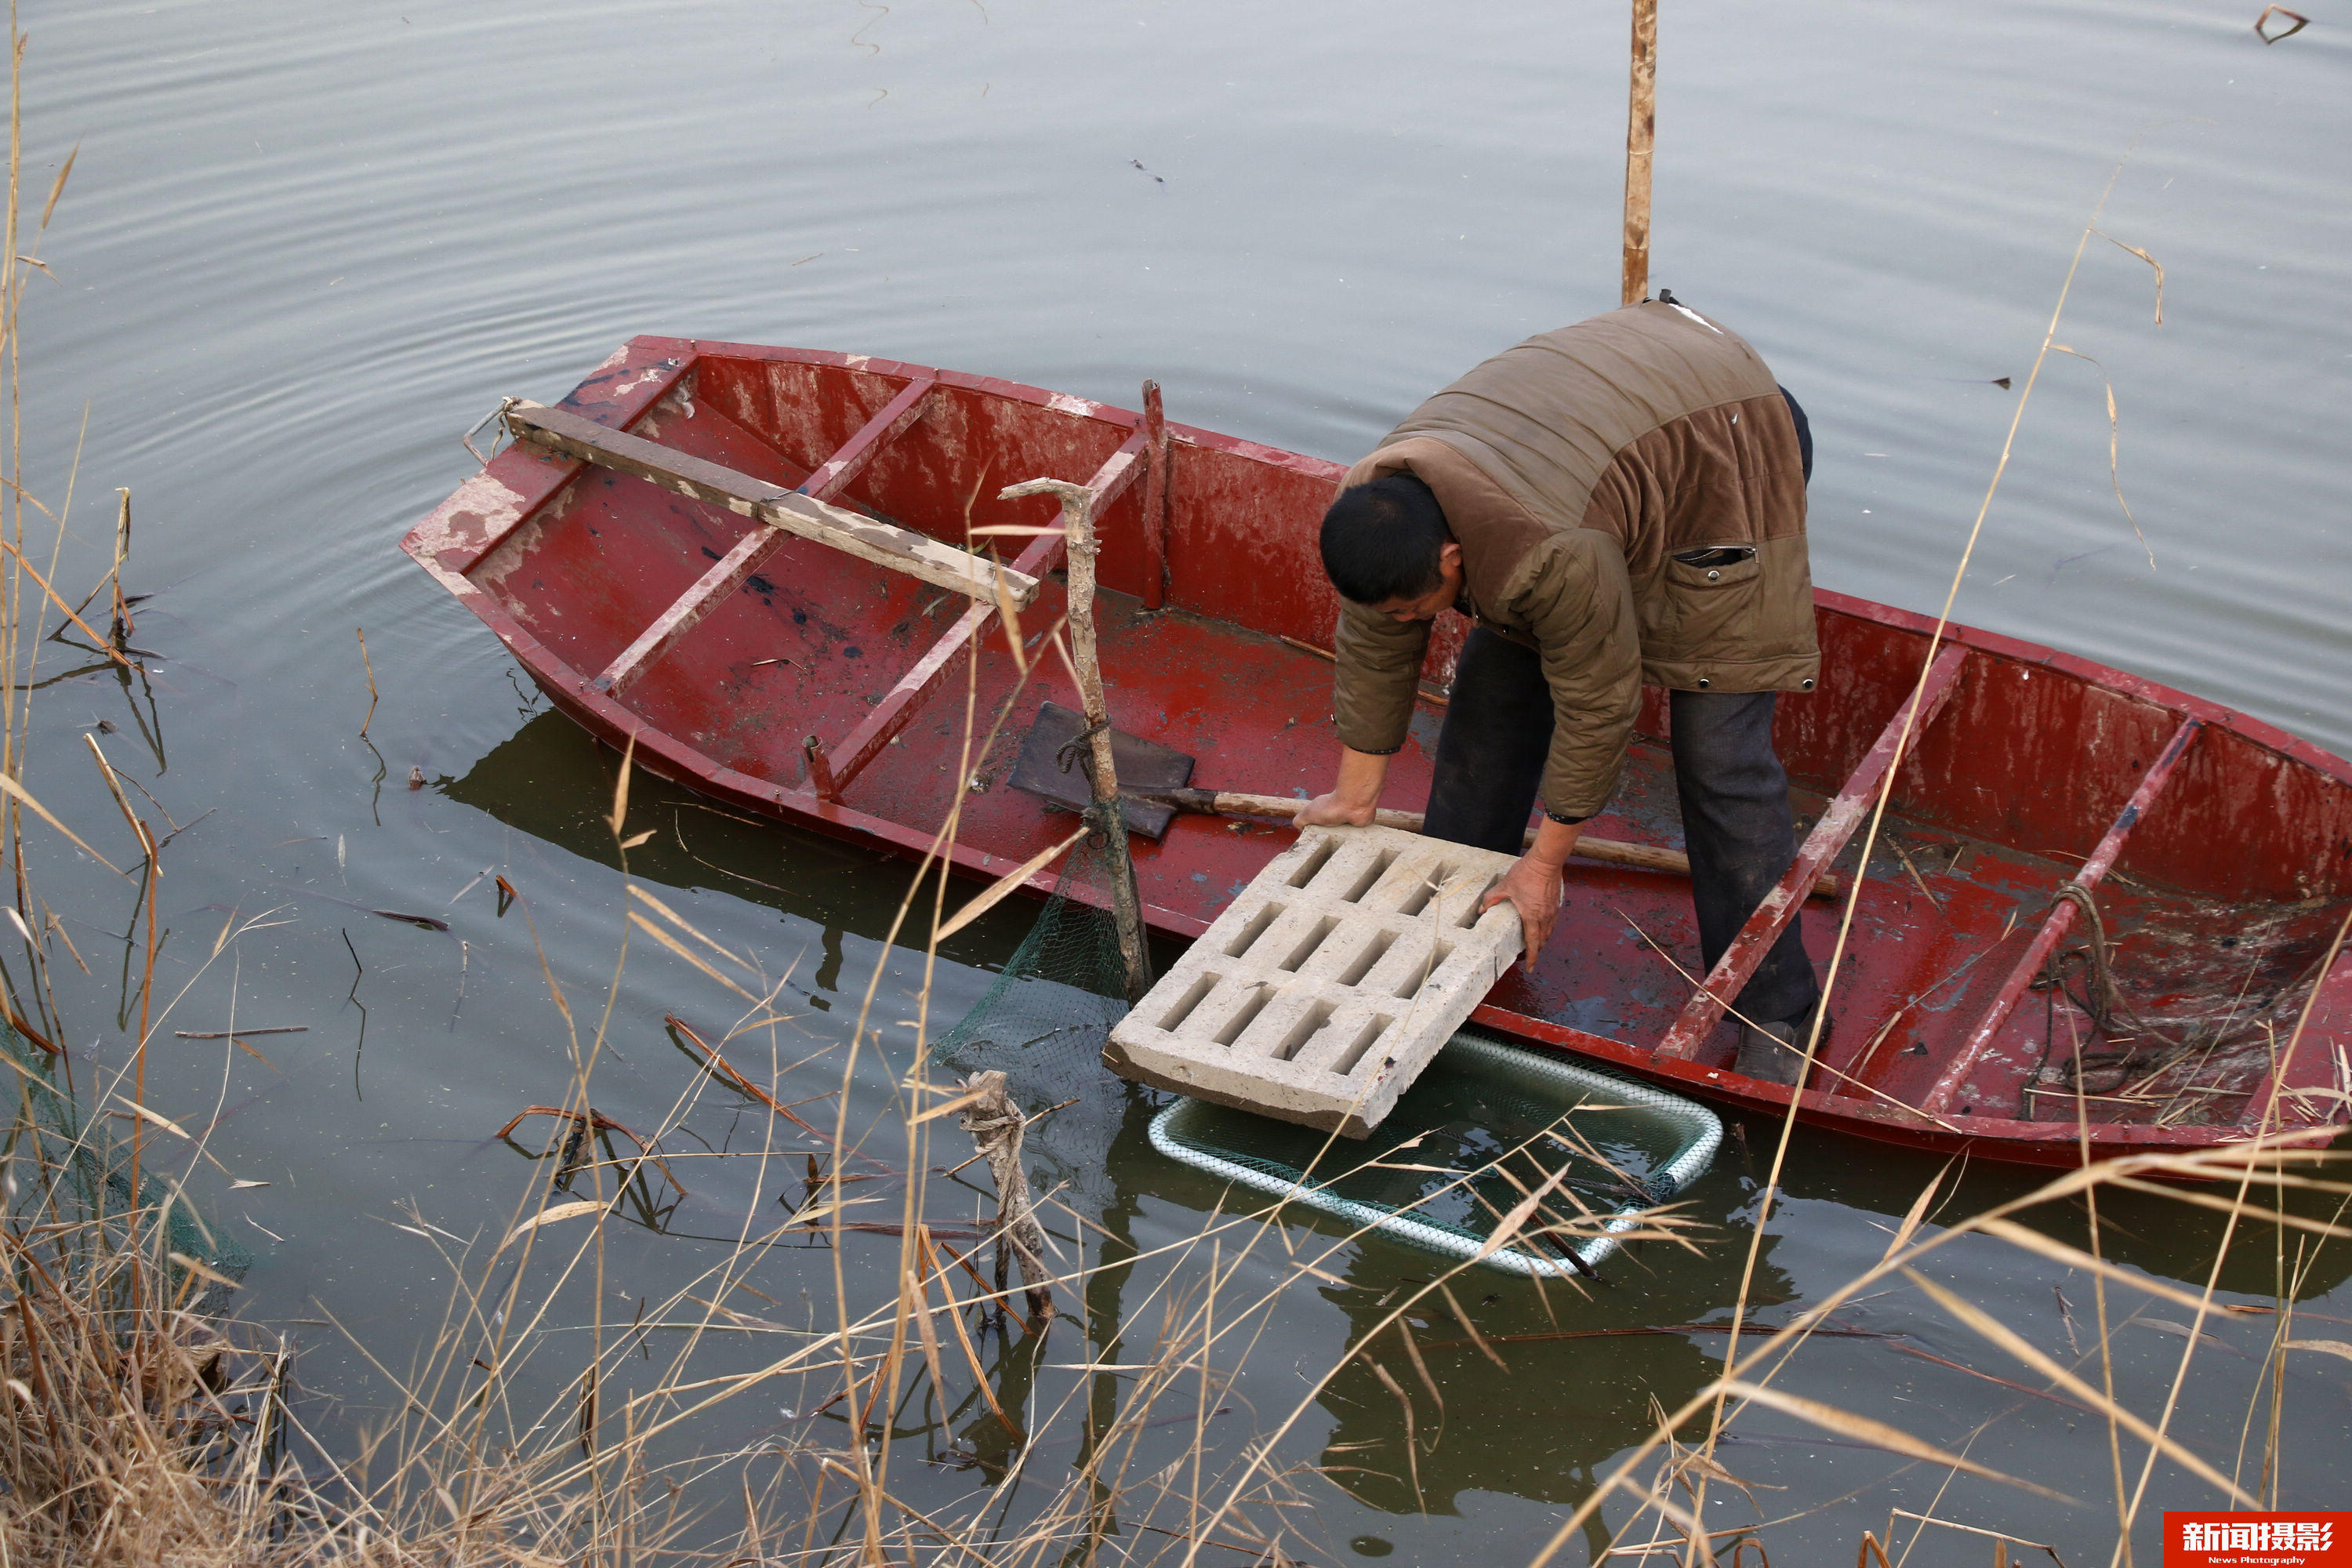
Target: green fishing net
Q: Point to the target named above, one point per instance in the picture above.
(62, 1165)
(1044, 1021)
(1486, 1124)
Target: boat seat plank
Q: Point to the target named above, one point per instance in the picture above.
(1838, 822)
(2056, 924)
(583, 440)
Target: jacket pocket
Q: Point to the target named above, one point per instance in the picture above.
(1711, 603)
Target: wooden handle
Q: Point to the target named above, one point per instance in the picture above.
(1610, 851)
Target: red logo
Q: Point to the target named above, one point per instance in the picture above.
(2298, 1540)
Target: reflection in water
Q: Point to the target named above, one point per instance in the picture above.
(1536, 1424)
(584, 1143)
(2137, 1230)
(1582, 1365)
(551, 780)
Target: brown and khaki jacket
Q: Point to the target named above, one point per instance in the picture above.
(1572, 470)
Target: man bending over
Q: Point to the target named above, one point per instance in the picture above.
(1617, 502)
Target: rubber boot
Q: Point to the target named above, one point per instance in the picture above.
(1772, 1053)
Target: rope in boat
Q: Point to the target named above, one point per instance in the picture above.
(2103, 1002)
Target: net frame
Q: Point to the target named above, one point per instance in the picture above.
(1175, 1133)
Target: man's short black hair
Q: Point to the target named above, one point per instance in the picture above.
(1382, 539)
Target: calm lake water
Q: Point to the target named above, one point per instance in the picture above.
(304, 246)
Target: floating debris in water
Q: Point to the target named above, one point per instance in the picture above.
(2261, 29)
(232, 1034)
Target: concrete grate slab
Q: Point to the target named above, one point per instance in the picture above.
(1321, 992)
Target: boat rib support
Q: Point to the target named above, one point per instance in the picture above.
(756, 547)
(1838, 822)
(835, 474)
(899, 706)
(2057, 923)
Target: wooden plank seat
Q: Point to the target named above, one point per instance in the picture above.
(785, 512)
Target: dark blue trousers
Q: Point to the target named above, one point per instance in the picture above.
(1737, 823)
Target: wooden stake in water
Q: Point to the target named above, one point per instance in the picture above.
(1641, 130)
(996, 1125)
(122, 628)
(1078, 527)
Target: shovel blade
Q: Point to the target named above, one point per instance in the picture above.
(1141, 764)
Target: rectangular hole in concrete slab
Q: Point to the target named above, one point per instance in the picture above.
(1244, 1016)
(1314, 862)
(1372, 873)
(1413, 983)
(1313, 940)
(1305, 1030)
(1194, 994)
(1373, 951)
(1426, 889)
(1253, 930)
(1470, 909)
(1348, 1058)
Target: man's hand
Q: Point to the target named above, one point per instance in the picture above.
(1353, 799)
(1334, 810)
(1532, 887)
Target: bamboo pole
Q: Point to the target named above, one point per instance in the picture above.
(1641, 132)
(1078, 527)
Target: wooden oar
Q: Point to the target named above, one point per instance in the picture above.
(1610, 851)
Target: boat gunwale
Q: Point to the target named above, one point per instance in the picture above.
(648, 368)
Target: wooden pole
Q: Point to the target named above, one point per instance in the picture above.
(1155, 499)
(1078, 529)
(1641, 130)
(1607, 851)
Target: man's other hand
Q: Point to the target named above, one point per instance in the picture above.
(1353, 798)
(1532, 886)
(1334, 810)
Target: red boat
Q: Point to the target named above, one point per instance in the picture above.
(752, 562)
